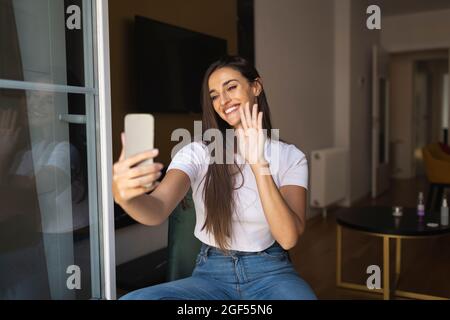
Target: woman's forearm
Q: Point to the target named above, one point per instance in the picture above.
(284, 225)
(145, 209)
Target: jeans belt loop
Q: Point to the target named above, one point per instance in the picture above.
(207, 250)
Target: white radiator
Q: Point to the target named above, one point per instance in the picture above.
(328, 177)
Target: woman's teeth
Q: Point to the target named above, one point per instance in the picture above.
(229, 110)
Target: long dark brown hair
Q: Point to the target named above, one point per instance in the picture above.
(220, 178)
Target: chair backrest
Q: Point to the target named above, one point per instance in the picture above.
(183, 246)
(437, 169)
(429, 161)
(437, 152)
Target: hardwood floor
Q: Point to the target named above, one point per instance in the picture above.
(425, 262)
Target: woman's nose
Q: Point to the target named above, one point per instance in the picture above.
(224, 98)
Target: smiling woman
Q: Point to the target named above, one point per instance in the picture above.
(228, 90)
(248, 213)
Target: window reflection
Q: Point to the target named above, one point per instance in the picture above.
(44, 192)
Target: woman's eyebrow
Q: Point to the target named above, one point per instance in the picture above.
(224, 84)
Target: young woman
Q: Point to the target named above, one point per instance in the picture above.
(249, 211)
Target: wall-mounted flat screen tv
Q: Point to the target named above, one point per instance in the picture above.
(171, 62)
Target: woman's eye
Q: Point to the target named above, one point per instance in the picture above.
(213, 98)
(231, 88)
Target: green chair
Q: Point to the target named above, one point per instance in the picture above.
(183, 246)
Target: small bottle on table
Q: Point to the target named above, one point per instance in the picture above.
(444, 212)
(420, 205)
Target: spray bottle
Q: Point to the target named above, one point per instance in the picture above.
(444, 212)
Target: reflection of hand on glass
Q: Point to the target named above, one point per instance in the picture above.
(9, 135)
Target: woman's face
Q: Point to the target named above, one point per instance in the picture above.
(230, 90)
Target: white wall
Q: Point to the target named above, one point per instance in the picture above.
(315, 59)
(342, 80)
(353, 62)
(362, 41)
(418, 31)
(297, 67)
(294, 49)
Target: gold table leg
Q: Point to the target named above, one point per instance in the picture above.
(386, 278)
(339, 282)
(339, 255)
(398, 259)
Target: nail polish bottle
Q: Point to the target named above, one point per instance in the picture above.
(420, 205)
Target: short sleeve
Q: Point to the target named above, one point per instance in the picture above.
(295, 168)
(190, 159)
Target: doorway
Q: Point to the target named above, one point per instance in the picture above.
(430, 106)
(419, 105)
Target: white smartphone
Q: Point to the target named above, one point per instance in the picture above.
(139, 134)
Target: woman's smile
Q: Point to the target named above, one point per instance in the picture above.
(232, 110)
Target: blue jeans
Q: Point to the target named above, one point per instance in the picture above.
(263, 275)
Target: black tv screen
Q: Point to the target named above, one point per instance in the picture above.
(171, 62)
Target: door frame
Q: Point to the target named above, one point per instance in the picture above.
(380, 171)
(104, 136)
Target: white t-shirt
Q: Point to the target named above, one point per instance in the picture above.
(250, 229)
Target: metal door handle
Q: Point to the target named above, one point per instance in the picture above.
(73, 118)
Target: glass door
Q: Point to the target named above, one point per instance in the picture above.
(55, 221)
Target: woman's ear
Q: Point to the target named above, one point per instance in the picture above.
(257, 87)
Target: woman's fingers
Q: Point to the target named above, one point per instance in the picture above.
(122, 166)
(260, 116)
(122, 153)
(243, 117)
(144, 181)
(248, 116)
(144, 170)
(239, 132)
(240, 137)
(254, 116)
(138, 158)
(126, 188)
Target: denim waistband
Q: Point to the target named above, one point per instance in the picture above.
(207, 249)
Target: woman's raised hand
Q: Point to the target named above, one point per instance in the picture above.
(130, 181)
(251, 137)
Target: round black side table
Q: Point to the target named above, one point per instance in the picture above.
(380, 222)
